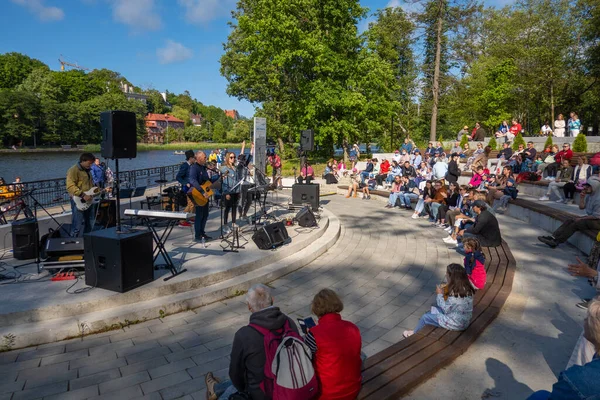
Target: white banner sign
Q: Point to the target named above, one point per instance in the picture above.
(260, 143)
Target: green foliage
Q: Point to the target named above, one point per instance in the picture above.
(15, 67)
(464, 140)
(492, 143)
(218, 133)
(518, 140)
(580, 143)
(548, 142)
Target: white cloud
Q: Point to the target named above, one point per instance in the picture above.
(173, 52)
(394, 4)
(139, 14)
(43, 12)
(202, 11)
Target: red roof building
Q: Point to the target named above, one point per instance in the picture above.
(232, 114)
(157, 124)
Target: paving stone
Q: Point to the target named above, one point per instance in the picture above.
(12, 387)
(91, 361)
(151, 396)
(87, 343)
(39, 353)
(8, 357)
(94, 351)
(171, 368)
(199, 395)
(41, 391)
(124, 382)
(73, 355)
(147, 355)
(165, 381)
(208, 366)
(19, 366)
(190, 352)
(79, 394)
(95, 379)
(129, 334)
(143, 366)
(48, 370)
(8, 377)
(212, 355)
(127, 351)
(49, 378)
(183, 389)
(127, 393)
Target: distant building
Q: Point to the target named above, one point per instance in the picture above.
(156, 125)
(128, 90)
(233, 114)
(196, 119)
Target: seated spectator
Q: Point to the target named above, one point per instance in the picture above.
(581, 174)
(565, 153)
(440, 169)
(467, 152)
(364, 174)
(495, 193)
(474, 155)
(336, 348)
(449, 203)
(481, 159)
(565, 173)
(579, 382)
(546, 129)
(432, 204)
(439, 148)
(384, 169)
(503, 131)
(454, 303)
(478, 134)
(355, 184)
(589, 200)
(474, 263)
(395, 192)
(408, 192)
(404, 157)
(462, 132)
(462, 216)
(453, 169)
(246, 365)
(515, 160)
(341, 167)
(430, 150)
(418, 159)
(547, 159)
(423, 174)
(395, 170)
(529, 157)
(407, 145)
(509, 192)
(477, 178)
(494, 164)
(396, 156)
(329, 175)
(588, 270)
(456, 148)
(409, 170)
(426, 195)
(485, 229)
(514, 130)
(307, 174)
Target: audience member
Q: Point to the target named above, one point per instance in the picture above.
(474, 263)
(479, 133)
(364, 174)
(426, 195)
(307, 174)
(559, 126)
(486, 228)
(565, 173)
(565, 153)
(456, 148)
(384, 169)
(474, 155)
(454, 303)
(336, 348)
(453, 169)
(462, 132)
(394, 192)
(547, 159)
(407, 145)
(581, 174)
(408, 192)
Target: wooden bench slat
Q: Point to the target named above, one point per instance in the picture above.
(450, 336)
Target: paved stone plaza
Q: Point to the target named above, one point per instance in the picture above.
(385, 265)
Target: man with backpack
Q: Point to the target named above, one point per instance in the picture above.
(256, 347)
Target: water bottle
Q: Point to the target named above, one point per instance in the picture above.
(203, 242)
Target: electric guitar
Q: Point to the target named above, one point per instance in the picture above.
(83, 205)
(197, 197)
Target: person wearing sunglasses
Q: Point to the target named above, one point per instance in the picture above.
(565, 153)
(231, 190)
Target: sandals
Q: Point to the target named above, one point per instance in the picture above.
(211, 381)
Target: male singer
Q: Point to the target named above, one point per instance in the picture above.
(198, 176)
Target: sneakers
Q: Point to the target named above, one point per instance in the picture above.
(565, 201)
(388, 205)
(548, 240)
(211, 381)
(448, 229)
(544, 198)
(561, 201)
(584, 304)
(415, 216)
(408, 207)
(450, 240)
(408, 333)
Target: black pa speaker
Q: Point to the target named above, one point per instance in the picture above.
(118, 261)
(119, 137)
(307, 140)
(270, 236)
(306, 218)
(25, 239)
(306, 193)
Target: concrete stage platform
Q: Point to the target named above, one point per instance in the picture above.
(36, 310)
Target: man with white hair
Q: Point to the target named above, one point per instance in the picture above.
(589, 200)
(246, 366)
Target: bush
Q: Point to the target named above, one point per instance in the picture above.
(548, 142)
(518, 140)
(580, 144)
(492, 143)
(464, 140)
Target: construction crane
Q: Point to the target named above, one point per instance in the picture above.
(62, 62)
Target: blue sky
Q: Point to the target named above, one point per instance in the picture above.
(160, 44)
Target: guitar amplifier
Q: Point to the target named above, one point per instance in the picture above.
(58, 247)
(271, 236)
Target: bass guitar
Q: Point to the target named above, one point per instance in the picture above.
(82, 204)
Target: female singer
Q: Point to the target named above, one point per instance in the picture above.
(230, 189)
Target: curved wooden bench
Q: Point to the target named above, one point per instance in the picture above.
(397, 370)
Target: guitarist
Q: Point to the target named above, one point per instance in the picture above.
(198, 175)
(79, 180)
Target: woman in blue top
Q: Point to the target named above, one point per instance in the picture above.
(574, 125)
(230, 188)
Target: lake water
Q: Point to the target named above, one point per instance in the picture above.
(40, 166)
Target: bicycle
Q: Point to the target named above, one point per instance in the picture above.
(19, 205)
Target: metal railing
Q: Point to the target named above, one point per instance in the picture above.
(53, 192)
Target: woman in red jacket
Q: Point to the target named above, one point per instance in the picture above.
(336, 345)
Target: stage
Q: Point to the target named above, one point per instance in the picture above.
(36, 310)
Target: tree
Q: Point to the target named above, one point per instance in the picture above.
(19, 115)
(218, 133)
(580, 143)
(15, 67)
(492, 143)
(464, 140)
(518, 141)
(548, 142)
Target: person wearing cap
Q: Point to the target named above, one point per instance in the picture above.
(589, 200)
(462, 132)
(418, 159)
(453, 169)
(485, 229)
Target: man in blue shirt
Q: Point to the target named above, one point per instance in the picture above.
(198, 175)
(98, 174)
(183, 175)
